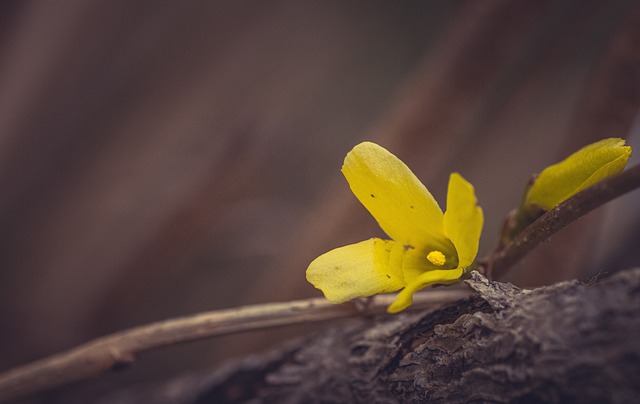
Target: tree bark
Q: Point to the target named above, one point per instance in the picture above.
(569, 342)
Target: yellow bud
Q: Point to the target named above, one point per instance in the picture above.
(582, 169)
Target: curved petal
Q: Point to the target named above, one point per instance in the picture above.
(358, 270)
(463, 219)
(405, 297)
(582, 169)
(612, 168)
(401, 204)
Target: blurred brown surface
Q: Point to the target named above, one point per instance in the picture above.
(163, 158)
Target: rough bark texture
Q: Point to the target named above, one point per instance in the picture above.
(569, 342)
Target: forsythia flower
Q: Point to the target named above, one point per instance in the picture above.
(582, 169)
(426, 247)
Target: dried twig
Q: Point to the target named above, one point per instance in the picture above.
(117, 350)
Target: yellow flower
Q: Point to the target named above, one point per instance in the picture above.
(582, 169)
(426, 247)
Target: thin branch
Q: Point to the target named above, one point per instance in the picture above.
(498, 263)
(120, 349)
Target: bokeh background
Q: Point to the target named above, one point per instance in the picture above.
(161, 158)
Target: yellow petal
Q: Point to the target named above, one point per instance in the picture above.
(401, 204)
(463, 219)
(405, 297)
(582, 169)
(358, 270)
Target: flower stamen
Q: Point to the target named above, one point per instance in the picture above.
(436, 258)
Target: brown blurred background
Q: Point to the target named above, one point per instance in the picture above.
(160, 158)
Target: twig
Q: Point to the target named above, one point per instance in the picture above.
(120, 349)
(117, 350)
(498, 262)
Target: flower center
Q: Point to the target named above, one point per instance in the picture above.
(436, 258)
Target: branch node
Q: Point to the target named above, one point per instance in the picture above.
(121, 360)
